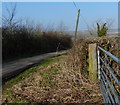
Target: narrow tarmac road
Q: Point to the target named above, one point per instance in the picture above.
(11, 68)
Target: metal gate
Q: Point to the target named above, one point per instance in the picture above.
(109, 76)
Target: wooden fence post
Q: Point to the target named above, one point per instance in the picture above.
(93, 62)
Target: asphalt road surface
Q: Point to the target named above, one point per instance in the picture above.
(15, 67)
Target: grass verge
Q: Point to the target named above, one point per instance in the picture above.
(8, 96)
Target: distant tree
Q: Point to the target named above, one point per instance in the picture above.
(9, 18)
(102, 30)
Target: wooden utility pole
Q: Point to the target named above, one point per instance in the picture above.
(75, 36)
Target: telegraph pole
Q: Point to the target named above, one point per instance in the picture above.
(75, 36)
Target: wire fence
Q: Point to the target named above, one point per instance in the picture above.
(109, 76)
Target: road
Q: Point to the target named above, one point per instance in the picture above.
(12, 68)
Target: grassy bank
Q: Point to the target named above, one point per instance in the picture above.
(9, 97)
(59, 82)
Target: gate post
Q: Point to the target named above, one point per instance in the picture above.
(93, 62)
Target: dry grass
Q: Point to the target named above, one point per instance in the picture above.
(67, 85)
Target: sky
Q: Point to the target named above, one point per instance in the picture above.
(52, 14)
